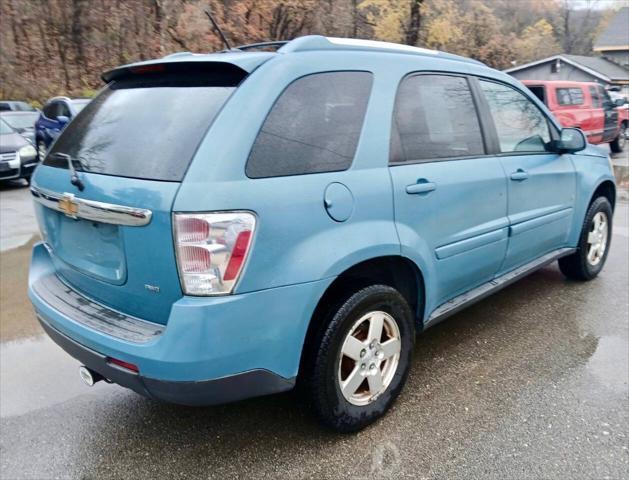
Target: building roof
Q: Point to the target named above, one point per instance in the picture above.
(598, 67)
(616, 35)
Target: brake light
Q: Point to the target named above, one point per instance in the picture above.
(211, 250)
(148, 69)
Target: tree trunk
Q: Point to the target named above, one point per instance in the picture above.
(414, 24)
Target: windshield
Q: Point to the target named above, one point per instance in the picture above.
(4, 128)
(146, 129)
(22, 120)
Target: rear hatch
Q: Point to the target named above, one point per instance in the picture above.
(110, 233)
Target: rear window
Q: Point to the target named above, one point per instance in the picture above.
(146, 128)
(313, 127)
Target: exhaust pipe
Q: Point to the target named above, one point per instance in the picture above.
(89, 377)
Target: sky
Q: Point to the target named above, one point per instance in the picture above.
(600, 3)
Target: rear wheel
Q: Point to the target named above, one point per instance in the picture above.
(618, 144)
(361, 359)
(587, 262)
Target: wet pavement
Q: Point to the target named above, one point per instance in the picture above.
(532, 383)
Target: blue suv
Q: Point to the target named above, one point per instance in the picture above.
(53, 118)
(223, 226)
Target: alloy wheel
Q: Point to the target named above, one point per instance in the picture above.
(597, 238)
(369, 358)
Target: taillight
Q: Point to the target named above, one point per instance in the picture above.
(212, 249)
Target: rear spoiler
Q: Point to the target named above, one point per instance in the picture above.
(236, 65)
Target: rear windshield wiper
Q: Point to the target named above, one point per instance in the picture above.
(74, 177)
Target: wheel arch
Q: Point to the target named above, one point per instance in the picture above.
(396, 271)
(606, 189)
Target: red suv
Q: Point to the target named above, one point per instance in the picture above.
(585, 105)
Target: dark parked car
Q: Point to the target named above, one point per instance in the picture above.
(22, 122)
(16, 106)
(55, 115)
(18, 157)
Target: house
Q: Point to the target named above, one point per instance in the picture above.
(613, 42)
(610, 67)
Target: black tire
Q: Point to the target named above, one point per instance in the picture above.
(321, 368)
(577, 266)
(618, 144)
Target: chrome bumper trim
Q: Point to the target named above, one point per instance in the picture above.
(74, 207)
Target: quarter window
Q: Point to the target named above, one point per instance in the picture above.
(434, 118)
(520, 125)
(313, 127)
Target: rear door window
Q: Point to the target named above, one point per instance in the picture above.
(569, 96)
(434, 118)
(520, 125)
(313, 127)
(142, 128)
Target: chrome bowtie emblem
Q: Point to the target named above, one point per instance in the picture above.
(68, 206)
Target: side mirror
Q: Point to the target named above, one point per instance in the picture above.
(619, 102)
(571, 140)
(62, 119)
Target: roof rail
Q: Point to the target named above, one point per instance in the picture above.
(319, 42)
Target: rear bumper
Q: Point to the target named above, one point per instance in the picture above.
(210, 392)
(212, 350)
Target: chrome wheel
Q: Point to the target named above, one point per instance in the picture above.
(597, 239)
(622, 137)
(369, 358)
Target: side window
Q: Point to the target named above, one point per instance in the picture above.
(50, 110)
(64, 110)
(434, 118)
(596, 100)
(313, 127)
(605, 98)
(563, 96)
(520, 125)
(576, 96)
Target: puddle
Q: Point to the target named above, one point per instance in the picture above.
(610, 363)
(622, 176)
(35, 373)
(16, 314)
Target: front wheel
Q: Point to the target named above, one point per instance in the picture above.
(618, 144)
(587, 262)
(361, 359)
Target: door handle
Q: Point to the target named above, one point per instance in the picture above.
(520, 175)
(422, 186)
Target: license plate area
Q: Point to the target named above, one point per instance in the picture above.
(93, 248)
